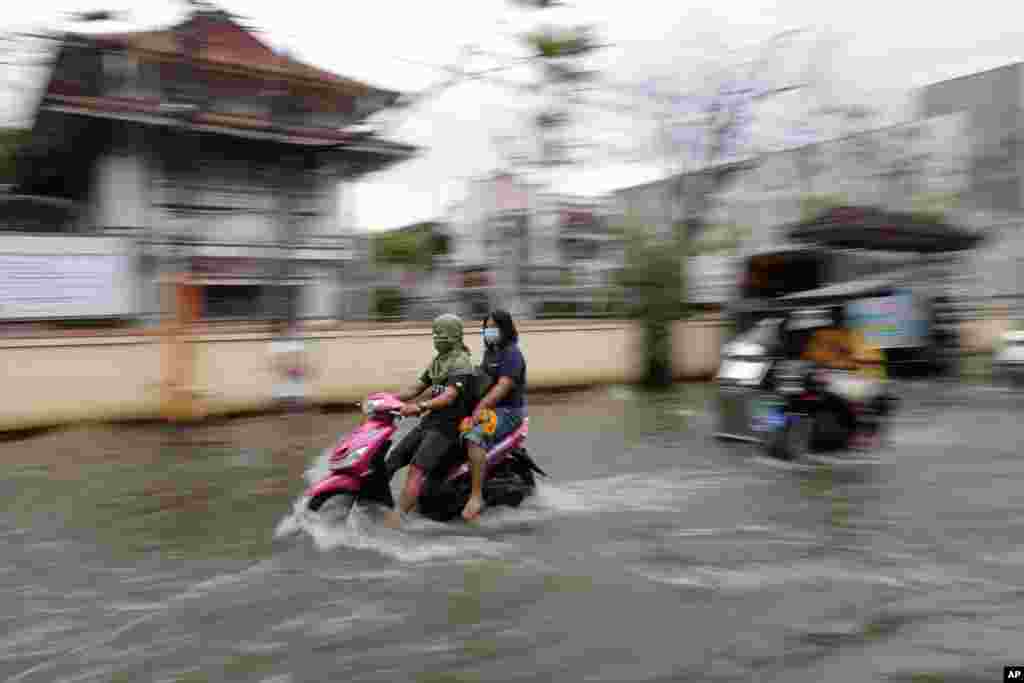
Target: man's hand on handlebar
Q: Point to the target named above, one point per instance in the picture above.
(409, 410)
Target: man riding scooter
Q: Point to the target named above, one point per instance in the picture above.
(855, 372)
(426, 449)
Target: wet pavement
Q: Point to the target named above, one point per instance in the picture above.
(653, 553)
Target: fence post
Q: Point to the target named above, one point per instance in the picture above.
(182, 299)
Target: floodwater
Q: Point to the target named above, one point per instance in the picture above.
(653, 553)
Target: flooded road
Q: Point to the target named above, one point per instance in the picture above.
(653, 553)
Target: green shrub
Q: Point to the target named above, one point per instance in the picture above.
(388, 303)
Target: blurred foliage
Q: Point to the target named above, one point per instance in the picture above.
(560, 583)
(11, 140)
(927, 217)
(559, 54)
(388, 303)
(561, 42)
(936, 202)
(556, 309)
(718, 239)
(416, 246)
(813, 206)
(92, 323)
(654, 275)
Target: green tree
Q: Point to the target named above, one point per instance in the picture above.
(560, 55)
(12, 140)
(414, 247)
(388, 303)
(653, 276)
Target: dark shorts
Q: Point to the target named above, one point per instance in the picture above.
(427, 448)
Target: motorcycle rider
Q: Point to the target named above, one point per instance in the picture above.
(505, 369)
(449, 378)
(838, 347)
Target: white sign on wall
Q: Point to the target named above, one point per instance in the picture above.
(64, 277)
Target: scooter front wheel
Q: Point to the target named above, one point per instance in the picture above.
(336, 503)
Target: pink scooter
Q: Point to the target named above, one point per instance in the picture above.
(358, 470)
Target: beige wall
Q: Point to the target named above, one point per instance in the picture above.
(53, 381)
(233, 372)
(982, 336)
(695, 348)
(49, 382)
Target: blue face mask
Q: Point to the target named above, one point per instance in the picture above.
(492, 335)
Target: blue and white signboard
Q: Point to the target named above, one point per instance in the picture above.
(889, 322)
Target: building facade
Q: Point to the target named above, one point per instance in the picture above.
(991, 104)
(214, 155)
(919, 165)
(539, 252)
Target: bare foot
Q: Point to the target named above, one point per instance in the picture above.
(472, 510)
(393, 519)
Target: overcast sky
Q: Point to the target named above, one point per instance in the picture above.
(867, 52)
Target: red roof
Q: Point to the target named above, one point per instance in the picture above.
(225, 43)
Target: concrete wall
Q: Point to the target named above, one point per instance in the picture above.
(695, 347)
(55, 381)
(52, 381)
(233, 372)
(982, 336)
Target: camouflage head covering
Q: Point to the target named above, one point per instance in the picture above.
(448, 334)
(453, 356)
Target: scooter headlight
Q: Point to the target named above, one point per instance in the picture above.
(351, 458)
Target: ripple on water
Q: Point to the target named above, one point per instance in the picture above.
(37, 634)
(768, 576)
(658, 492)
(137, 606)
(234, 580)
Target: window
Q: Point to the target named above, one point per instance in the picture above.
(243, 301)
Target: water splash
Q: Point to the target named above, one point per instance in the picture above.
(362, 530)
(320, 468)
(420, 540)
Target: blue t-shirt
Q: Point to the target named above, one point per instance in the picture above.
(508, 362)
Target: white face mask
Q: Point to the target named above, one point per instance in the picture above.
(492, 335)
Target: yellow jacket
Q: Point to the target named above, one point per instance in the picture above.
(843, 349)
